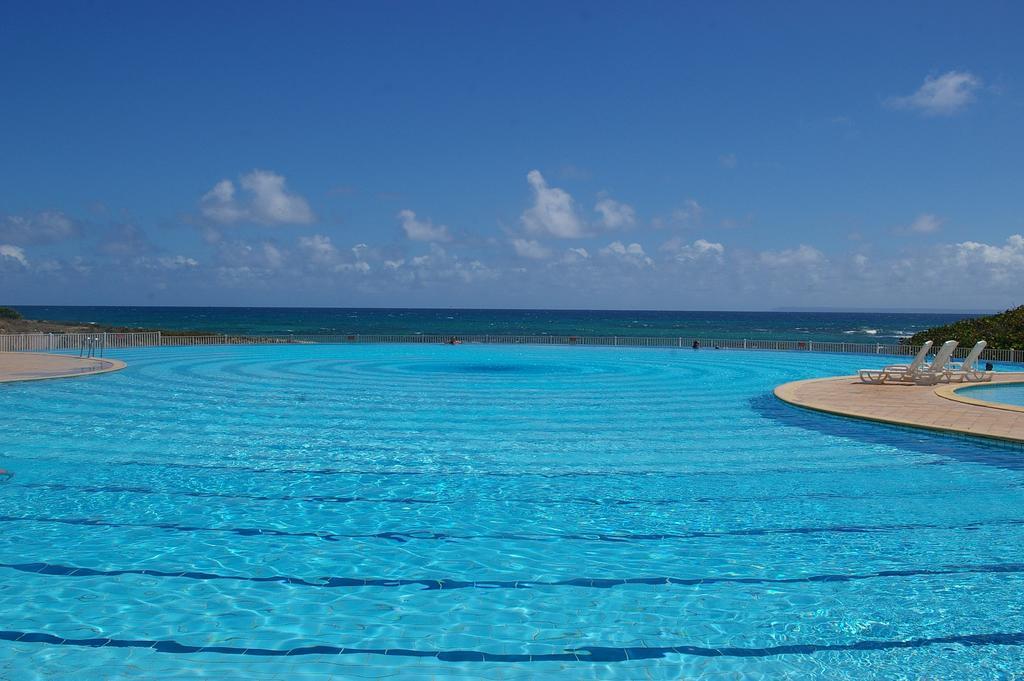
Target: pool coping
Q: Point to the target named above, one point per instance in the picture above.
(922, 407)
(18, 367)
(949, 392)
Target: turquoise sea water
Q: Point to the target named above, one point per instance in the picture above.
(852, 327)
(495, 513)
(1007, 394)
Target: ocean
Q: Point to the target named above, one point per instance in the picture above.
(853, 327)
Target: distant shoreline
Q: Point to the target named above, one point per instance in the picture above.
(46, 326)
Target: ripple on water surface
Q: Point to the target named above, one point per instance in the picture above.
(488, 512)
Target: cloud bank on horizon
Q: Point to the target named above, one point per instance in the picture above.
(895, 185)
(555, 257)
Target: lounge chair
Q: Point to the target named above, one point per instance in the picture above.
(936, 371)
(968, 369)
(895, 371)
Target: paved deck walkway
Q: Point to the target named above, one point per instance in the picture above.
(930, 407)
(34, 366)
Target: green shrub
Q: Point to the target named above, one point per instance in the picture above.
(9, 313)
(1003, 330)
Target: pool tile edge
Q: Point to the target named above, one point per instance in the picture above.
(996, 420)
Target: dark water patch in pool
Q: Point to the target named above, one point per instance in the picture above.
(491, 369)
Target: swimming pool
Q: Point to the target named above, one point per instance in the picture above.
(1010, 393)
(493, 512)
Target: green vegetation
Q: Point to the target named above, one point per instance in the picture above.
(1003, 330)
(9, 313)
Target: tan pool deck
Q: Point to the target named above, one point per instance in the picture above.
(35, 366)
(930, 407)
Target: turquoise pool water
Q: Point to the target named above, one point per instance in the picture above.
(1012, 393)
(493, 512)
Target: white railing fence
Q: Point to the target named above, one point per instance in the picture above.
(43, 342)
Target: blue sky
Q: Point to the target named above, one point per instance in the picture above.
(598, 155)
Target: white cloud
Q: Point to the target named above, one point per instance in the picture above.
(801, 255)
(14, 253)
(319, 249)
(81, 265)
(925, 223)
(45, 227)
(273, 256)
(575, 255)
(271, 202)
(250, 258)
(614, 214)
(439, 266)
(219, 205)
(964, 270)
(701, 248)
(553, 211)
(322, 253)
(360, 266)
(1009, 255)
(633, 253)
(422, 230)
(51, 265)
(266, 201)
(727, 160)
(177, 262)
(688, 215)
(529, 248)
(942, 95)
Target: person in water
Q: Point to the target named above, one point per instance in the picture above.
(696, 345)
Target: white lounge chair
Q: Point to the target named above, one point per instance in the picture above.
(936, 371)
(968, 369)
(896, 370)
(919, 362)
